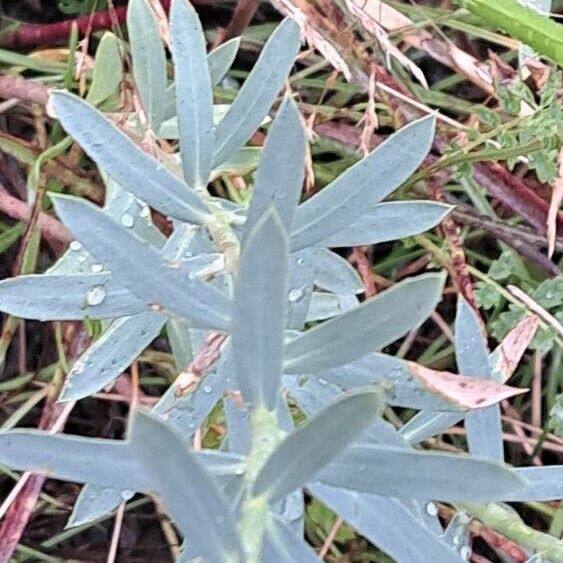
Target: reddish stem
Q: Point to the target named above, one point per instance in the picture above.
(30, 35)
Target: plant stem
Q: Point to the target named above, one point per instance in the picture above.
(510, 525)
(265, 437)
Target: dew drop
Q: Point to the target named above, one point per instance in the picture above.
(322, 381)
(239, 471)
(97, 268)
(300, 261)
(127, 220)
(207, 389)
(95, 295)
(75, 245)
(465, 552)
(295, 295)
(82, 258)
(361, 468)
(432, 509)
(127, 495)
(145, 211)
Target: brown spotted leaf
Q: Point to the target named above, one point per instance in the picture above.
(467, 393)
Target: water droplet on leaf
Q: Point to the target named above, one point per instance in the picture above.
(432, 509)
(295, 295)
(75, 245)
(127, 220)
(95, 295)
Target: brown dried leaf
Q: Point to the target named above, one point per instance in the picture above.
(443, 51)
(466, 392)
(370, 23)
(512, 348)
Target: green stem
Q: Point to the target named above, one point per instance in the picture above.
(485, 154)
(265, 437)
(510, 525)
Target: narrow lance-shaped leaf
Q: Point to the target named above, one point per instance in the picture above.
(398, 472)
(389, 221)
(367, 182)
(187, 490)
(155, 459)
(374, 324)
(426, 424)
(93, 502)
(258, 91)
(507, 355)
(113, 352)
(259, 311)
(149, 60)
(334, 273)
(483, 427)
(544, 483)
(141, 268)
(194, 97)
(282, 545)
(125, 162)
(108, 463)
(108, 70)
(388, 524)
(65, 297)
(306, 451)
(502, 363)
(185, 413)
(221, 59)
(279, 177)
(415, 386)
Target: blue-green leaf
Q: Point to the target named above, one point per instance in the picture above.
(544, 483)
(111, 354)
(374, 324)
(402, 473)
(194, 97)
(334, 273)
(125, 162)
(60, 297)
(154, 459)
(221, 59)
(93, 502)
(187, 489)
(387, 523)
(366, 183)
(149, 60)
(279, 177)
(258, 92)
(426, 424)
(282, 545)
(259, 311)
(389, 221)
(483, 426)
(141, 268)
(307, 450)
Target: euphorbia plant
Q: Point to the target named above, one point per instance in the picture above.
(249, 281)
